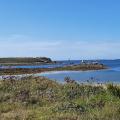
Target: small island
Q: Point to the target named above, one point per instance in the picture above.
(25, 61)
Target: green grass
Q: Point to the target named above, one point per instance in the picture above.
(38, 98)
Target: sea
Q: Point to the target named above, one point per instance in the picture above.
(112, 74)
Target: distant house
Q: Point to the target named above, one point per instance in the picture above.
(83, 62)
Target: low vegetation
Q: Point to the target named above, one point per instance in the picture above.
(38, 98)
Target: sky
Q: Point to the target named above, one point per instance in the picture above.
(60, 29)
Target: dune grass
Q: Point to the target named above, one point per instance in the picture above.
(38, 98)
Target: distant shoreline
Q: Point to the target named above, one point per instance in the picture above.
(80, 67)
(25, 61)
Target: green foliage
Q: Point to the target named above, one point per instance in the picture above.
(37, 98)
(113, 89)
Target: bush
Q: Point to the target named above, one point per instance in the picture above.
(114, 90)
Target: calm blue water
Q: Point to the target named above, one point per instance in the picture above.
(110, 75)
(59, 64)
(102, 76)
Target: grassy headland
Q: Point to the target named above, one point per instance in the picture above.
(38, 98)
(25, 61)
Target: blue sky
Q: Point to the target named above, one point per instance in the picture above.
(60, 29)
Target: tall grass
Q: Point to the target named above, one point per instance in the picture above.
(38, 98)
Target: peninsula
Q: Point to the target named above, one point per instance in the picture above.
(79, 67)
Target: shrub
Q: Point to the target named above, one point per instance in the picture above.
(114, 90)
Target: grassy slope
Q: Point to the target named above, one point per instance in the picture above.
(37, 98)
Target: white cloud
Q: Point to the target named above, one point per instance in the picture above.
(22, 46)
